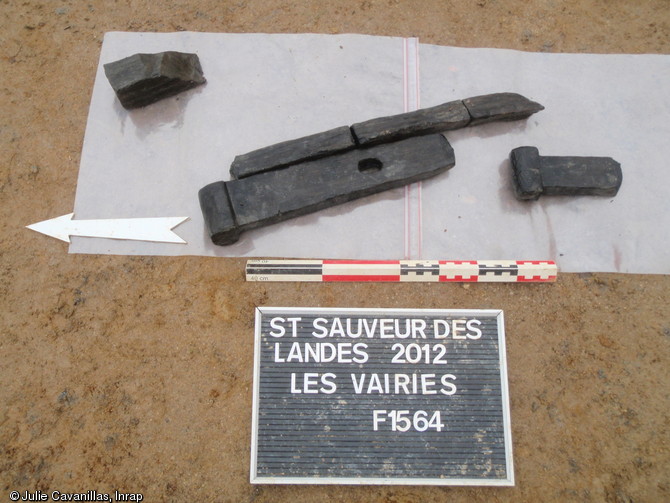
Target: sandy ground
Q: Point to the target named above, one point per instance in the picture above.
(135, 373)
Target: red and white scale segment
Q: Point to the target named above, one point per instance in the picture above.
(402, 270)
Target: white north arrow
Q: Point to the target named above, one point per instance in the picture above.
(137, 229)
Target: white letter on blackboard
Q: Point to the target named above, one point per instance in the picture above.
(280, 329)
(440, 329)
(322, 330)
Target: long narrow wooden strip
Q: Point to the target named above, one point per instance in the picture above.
(290, 152)
(444, 117)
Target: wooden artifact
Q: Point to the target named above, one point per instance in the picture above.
(298, 177)
(142, 79)
(535, 175)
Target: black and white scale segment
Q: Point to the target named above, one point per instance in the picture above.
(380, 396)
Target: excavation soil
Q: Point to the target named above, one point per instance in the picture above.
(135, 373)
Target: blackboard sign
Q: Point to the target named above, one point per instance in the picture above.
(380, 396)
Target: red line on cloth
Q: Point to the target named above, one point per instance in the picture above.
(348, 277)
(405, 107)
(418, 105)
(420, 220)
(405, 76)
(407, 222)
(416, 66)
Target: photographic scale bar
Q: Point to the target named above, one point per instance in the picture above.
(437, 271)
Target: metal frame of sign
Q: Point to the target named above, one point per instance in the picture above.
(505, 474)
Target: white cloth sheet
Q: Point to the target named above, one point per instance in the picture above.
(262, 89)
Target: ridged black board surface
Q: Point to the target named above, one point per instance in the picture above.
(315, 420)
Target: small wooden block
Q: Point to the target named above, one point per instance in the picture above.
(535, 175)
(500, 107)
(142, 79)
